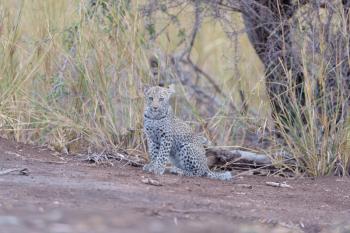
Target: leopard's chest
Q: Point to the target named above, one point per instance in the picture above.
(157, 129)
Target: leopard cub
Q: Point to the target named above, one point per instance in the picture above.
(169, 138)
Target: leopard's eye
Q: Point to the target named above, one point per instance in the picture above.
(161, 99)
(150, 98)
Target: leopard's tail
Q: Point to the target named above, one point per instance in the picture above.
(219, 175)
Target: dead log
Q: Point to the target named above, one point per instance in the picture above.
(224, 156)
(234, 158)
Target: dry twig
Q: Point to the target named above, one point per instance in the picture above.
(278, 184)
(20, 171)
(151, 182)
(248, 186)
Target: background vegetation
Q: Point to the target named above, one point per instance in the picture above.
(72, 74)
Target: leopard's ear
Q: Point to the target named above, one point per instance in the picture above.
(146, 88)
(171, 89)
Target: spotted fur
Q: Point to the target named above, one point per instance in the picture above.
(169, 138)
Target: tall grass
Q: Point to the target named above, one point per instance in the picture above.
(317, 141)
(316, 133)
(71, 74)
(71, 78)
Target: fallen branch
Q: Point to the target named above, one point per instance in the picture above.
(106, 157)
(32, 159)
(248, 186)
(277, 184)
(20, 171)
(126, 158)
(151, 182)
(238, 155)
(250, 156)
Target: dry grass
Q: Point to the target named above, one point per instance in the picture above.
(72, 79)
(68, 77)
(317, 134)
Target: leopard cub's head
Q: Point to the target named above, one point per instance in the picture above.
(157, 100)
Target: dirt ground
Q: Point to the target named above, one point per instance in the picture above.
(64, 195)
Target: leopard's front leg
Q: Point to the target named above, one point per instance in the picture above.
(153, 150)
(158, 160)
(163, 154)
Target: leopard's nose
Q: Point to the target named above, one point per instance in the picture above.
(155, 108)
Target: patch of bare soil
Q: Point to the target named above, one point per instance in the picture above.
(64, 195)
